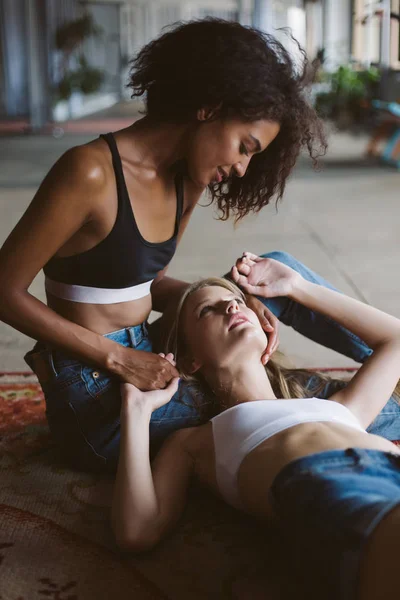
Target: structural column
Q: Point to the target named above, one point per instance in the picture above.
(263, 15)
(37, 64)
(245, 10)
(385, 34)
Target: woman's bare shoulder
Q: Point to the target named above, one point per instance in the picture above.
(89, 164)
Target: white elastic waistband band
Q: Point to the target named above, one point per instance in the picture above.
(93, 295)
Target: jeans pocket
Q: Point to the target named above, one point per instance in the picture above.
(104, 393)
(97, 382)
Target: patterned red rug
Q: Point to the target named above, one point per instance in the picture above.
(45, 544)
(55, 539)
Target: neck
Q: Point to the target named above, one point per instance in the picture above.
(161, 145)
(246, 382)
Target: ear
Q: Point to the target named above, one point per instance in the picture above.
(190, 365)
(208, 113)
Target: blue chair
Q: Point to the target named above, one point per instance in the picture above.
(391, 152)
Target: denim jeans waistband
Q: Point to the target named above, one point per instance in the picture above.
(336, 458)
(129, 335)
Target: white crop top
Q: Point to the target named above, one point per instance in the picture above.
(240, 429)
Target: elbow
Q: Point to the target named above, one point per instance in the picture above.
(392, 342)
(136, 539)
(8, 300)
(136, 544)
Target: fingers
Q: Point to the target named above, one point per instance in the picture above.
(266, 324)
(172, 387)
(169, 357)
(238, 277)
(273, 342)
(241, 280)
(243, 266)
(275, 346)
(251, 256)
(235, 274)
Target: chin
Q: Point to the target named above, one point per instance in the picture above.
(249, 342)
(197, 176)
(251, 334)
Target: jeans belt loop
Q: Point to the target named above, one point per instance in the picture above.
(132, 336)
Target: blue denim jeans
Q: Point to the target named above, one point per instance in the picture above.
(83, 403)
(327, 506)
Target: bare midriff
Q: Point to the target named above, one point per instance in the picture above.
(260, 467)
(102, 318)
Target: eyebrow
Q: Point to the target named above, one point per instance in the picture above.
(257, 143)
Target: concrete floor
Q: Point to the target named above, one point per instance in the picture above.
(343, 222)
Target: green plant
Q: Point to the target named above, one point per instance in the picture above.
(69, 38)
(70, 35)
(86, 79)
(350, 93)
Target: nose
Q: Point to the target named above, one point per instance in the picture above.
(241, 167)
(232, 306)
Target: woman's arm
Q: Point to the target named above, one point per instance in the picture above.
(67, 201)
(375, 381)
(369, 390)
(148, 500)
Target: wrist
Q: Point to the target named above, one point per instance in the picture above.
(136, 409)
(299, 286)
(116, 360)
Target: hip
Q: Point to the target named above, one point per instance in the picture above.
(306, 439)
(327, 505)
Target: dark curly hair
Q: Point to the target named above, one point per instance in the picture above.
(248, 74)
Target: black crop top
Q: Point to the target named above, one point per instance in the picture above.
(123, 259)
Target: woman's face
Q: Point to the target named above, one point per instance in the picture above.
(223, 148)
(219, 329)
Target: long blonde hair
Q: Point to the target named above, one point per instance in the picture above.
(285, 382)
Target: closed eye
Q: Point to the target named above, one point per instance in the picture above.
(243, 150)
(208, 307)
(205, 310)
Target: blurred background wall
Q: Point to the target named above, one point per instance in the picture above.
(63, 59)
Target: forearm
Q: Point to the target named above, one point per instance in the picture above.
(370, 324)
(166, 291)
(135, 507)
(32, 317)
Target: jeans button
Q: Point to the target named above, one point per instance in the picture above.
(96, 374)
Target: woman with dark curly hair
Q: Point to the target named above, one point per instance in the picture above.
(225, 110)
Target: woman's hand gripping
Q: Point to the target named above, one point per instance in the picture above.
(154, 399)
